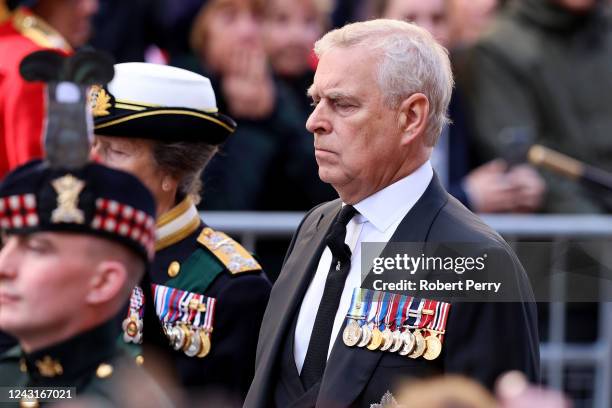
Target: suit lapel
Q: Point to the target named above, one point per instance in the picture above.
(349, 369)
(288, 292)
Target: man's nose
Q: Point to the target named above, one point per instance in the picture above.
(317, 121)
(9, 259)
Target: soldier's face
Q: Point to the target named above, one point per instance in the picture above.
(356, 136)
(43, 282)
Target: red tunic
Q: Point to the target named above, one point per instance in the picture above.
(22, 103)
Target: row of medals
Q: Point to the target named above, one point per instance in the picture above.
(193, 342)
(406, 343)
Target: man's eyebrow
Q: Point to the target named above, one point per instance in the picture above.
(310, 91)
(333, 95)
(336, 95)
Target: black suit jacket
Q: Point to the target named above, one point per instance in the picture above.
(482, 340)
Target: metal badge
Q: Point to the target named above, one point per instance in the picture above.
(68, 189)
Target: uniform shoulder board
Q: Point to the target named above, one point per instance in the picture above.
(231, 254)
(38, 31)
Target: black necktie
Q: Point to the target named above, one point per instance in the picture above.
(316, 356)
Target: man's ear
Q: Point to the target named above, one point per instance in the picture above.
(413, 113)
(109, 280)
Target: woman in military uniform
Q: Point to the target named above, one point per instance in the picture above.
(205, 295)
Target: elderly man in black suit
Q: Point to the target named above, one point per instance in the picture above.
(380, 96)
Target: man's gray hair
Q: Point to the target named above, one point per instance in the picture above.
(412, 61)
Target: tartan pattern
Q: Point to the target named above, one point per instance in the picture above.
(18, 211)
(122, 219)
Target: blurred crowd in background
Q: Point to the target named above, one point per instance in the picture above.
(526, 71)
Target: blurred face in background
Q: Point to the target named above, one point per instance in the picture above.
(71, 18)
(578, 6)
(432, 15)
(225, 28)
(469, 18)
(290, 29)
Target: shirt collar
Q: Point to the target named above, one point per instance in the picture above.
(385, 207)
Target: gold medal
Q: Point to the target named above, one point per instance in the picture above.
(420, 345)
(131, 329)
(187, 334)
(397, 341)
(387, 335)
(376, 340)
(205, 344)
(193, 348)
(352, 333)
(408, 343)
(434, 347)
(366, 336)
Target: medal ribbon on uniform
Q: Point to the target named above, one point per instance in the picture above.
(137, 302)
(356, 303)
(374, 307)
(414, 310)
(392, 309)
(174, 305)
(438, 325)
(210, 314)
(428, 312)
(367, 304)
(399, 316)
(380, 321)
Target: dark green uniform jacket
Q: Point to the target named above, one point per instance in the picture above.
(102, 373)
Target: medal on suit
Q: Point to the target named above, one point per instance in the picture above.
(369, 311)
(436, 331)
(414, 320)
(397, 341)
(389, 318)
(352, 331)
(434, 347)
(381, 308)
(402, 304)
(419, 345)
(408, 343)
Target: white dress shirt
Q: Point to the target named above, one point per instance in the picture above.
(378, 218)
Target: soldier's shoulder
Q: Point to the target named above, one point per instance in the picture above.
(11, 372)
(39, 33)
(119, 381)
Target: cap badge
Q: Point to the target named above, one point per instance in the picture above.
(68, 189)
(99, 101)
